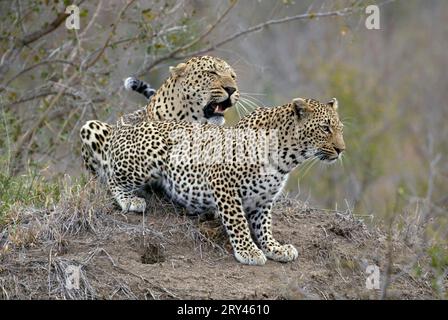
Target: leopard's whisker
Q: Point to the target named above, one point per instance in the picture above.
(243, 111)
(341, 160)
(305, 165)
(254, 99)
(253, 93)
(247, 108)
(347, 121)
(238, 105)
(250, 104)
(313, 162)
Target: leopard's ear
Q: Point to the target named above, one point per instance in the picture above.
(333, 103)
(301, 107)
(178, 71)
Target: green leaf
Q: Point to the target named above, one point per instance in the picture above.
(148, 15)
(84, 13)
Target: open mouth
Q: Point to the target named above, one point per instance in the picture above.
(216, 109)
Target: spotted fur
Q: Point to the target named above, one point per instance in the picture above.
(242, 192)
(199, 90)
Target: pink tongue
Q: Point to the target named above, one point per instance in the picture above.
(219, 109)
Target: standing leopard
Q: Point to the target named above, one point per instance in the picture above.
(237, 172)
(199, 90)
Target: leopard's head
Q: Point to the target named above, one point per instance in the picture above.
(199, 90)
(320, 130)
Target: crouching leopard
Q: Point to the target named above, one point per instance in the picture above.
(199, 90)
(207, 167)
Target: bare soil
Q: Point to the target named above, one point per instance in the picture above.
(166, 254)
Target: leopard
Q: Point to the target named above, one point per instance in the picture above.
(198, 90)
(237, 172)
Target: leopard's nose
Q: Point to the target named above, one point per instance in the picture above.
(230, 90)
(339, 149)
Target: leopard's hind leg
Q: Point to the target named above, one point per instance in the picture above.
(126, 196)
(95, 143)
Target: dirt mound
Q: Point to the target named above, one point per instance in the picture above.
(85, 249)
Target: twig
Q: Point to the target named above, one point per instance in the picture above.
(36, 35)
(19, 16)
(260, 26)
(95, 252)
(326, 234)
(28, 134)
(307, 15)
(37, 96)
(35, 66)
(342, 12)
(173, 53)
(131, 39)
(111, 34)
(92, 20)
(160, 287)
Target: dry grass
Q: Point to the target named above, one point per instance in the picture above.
(166, 254)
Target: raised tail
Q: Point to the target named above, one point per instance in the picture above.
(139, 86)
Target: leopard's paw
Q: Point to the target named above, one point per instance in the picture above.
(253, 256)
(282, 253)
(134, 204)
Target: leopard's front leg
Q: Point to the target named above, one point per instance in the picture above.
(261, 226)
(234, 220)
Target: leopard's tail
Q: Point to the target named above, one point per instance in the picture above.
(139, 86)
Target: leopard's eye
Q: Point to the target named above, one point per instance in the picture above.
(233, 76)
(212, 72)
(325, 128)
